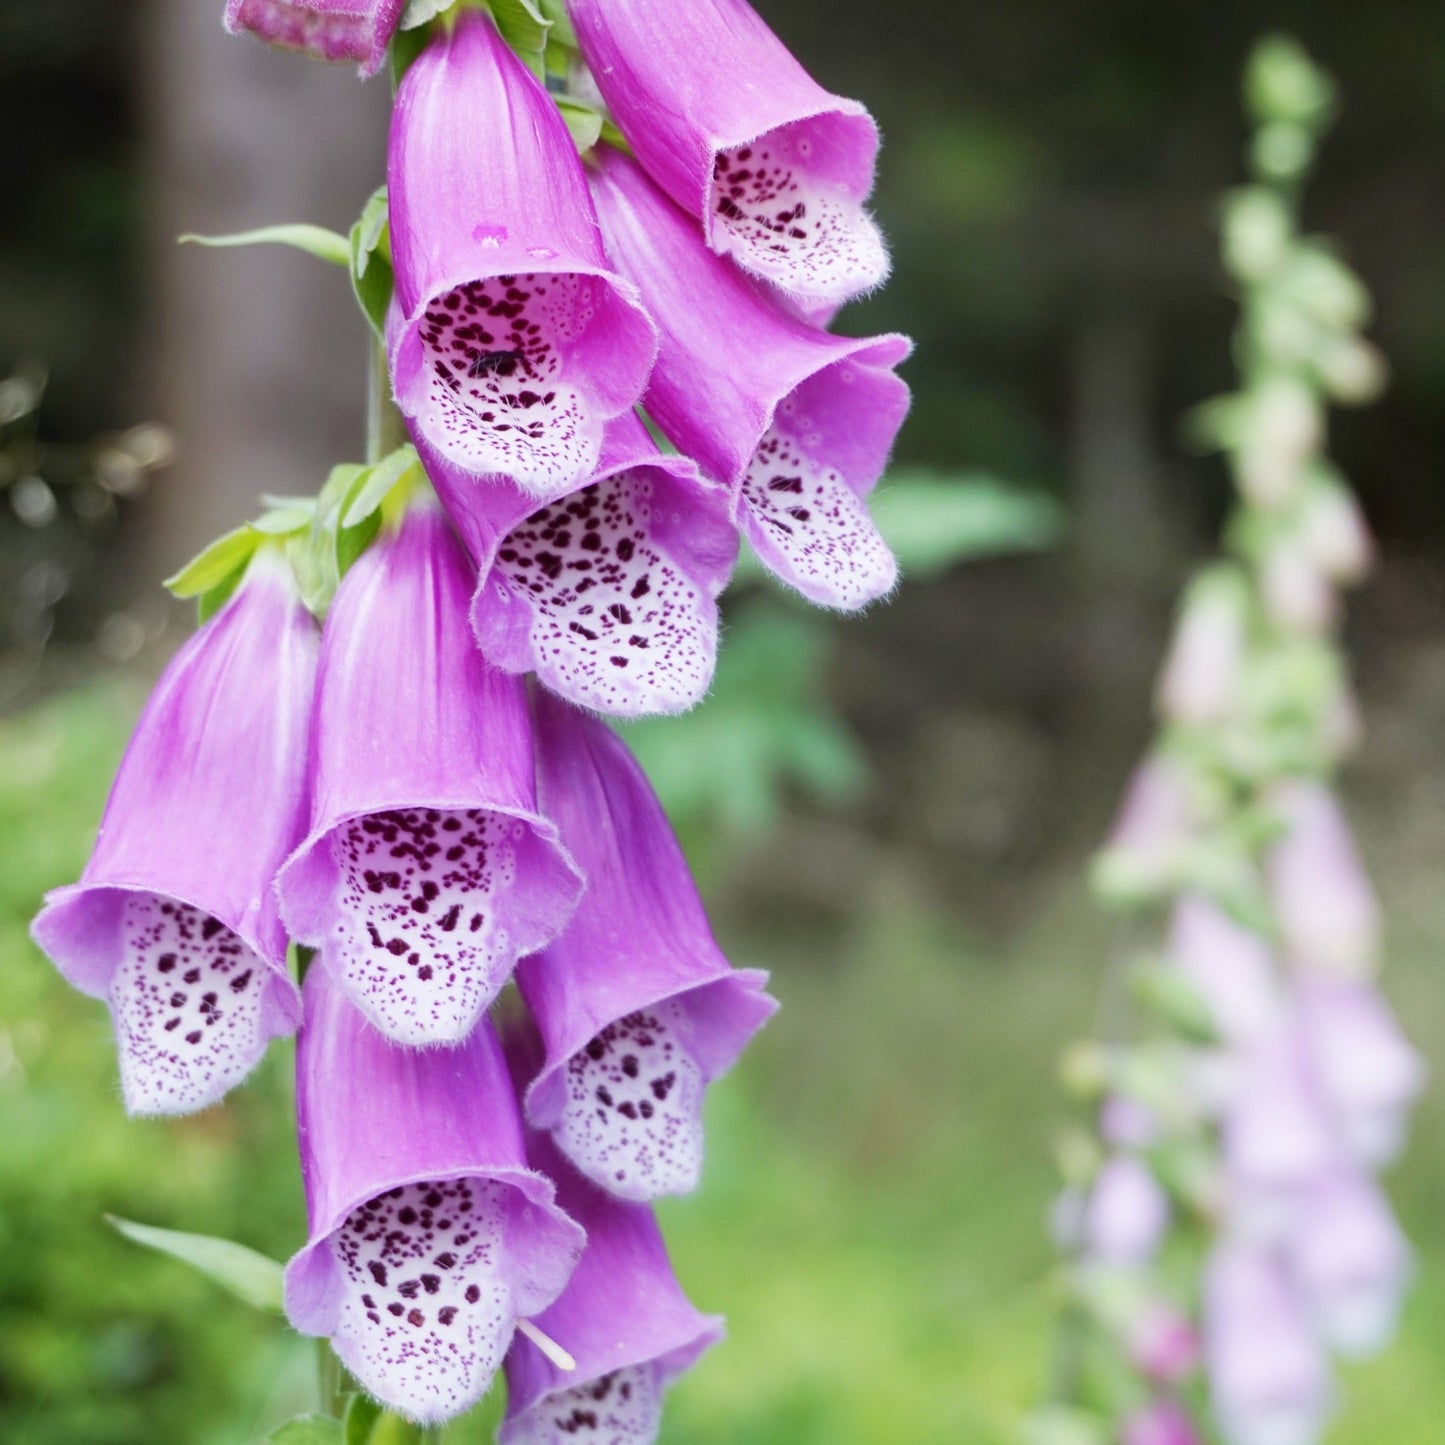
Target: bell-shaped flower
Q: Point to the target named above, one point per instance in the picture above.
(773, 168)
(1364, 1066)
(1327, 911)
(607, 592)
(797, 422)
(518, 342)
(429, 1236)
(1200, 682)
(1231, 966)
(1160, 1422)
(173, 921)
(358, 30)
(623, 1319)
(1268, 1374)
(1163, 1343)
(637, 1007)
(1126, 1214)
(427, 870)
(1352, 1262)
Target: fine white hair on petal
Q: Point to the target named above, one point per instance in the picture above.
(623, 1407)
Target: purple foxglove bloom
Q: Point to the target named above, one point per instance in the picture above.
(173, 921)
(1230, 965)
(799, 423)
(637, 1007)
(1362, 1063)
(1151, 829)
(1127, 1212)
(1327, 909)
(1200, 681)
(429, 1237)
(609, 592)
(517, 341)
(427, 870)
(1163, 1344)
(623, 1318)
(1269, 1378)
(1352, 1262)
(735, 131)
(1161, 1422)
(357, 30)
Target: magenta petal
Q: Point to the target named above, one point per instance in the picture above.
(798, 422)
(173, 921)
(357, 30)
(518, 341)
(773, 167)
(637, 1007)
(623, 1317)
(428, 869)
(607, 592)
(428, 1234)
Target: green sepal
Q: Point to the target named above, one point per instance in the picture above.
(369, 260)
(314, 553)
(308, 1430)
(1171, 996)
(562, 32)
(314, 240)
(585, 122)
(215, 563)
(421, 12)
(367, 493)
(249, 1276)
(525, 29)
(369, 1423)
(283, 520)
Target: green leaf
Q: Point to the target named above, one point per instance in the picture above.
(370, 261)
(281, 521)
(315, 240)
(309, 1430)
(248, 1275)
(372, 487)
(225, 557)
(933, 521)
(525, 29)
(583, 121)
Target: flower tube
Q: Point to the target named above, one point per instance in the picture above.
(427, 869)
(357, 30)
(623, 1318)
(173, 921)
(429, 1236)
(799, 423)
(607, 592)
(637, 1007)
(773, 168)
(517, 340)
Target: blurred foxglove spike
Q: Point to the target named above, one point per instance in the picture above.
(517, 341)
(173, 922)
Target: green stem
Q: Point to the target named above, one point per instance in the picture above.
(385, 430)
(330, 1381)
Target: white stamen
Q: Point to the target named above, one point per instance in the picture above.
(547, 1345)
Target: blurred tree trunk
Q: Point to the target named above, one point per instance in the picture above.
(257, 356)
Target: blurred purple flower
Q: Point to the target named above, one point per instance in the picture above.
(1161, 1422)
(357, 30)
(427, 869)
(173, 922)
(429, 1236)
(1126, 1214)
(797, 422)
(517, 340)
(1231, 966)
(1163, 1344)
(773, 168)
(637, 1007)
(1201, 677)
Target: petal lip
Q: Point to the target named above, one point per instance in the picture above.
(357, 30)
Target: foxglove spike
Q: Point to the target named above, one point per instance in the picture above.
(773, 168)
(637, 1007)
(173, 922)
(1352, 1261)
(358, 30)
(517, 341)
(623, 1318)
(428, 869)
(608, 592)
(429, 1236)
(1269, 1379)
(798, 423)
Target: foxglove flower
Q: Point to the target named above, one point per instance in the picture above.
(173, 922)
(517, 340)
(1352, 1262)
(429, 1237)
(799, 423)
(1160, 1422)
(637, 1007)
(427, 870)
(735, 131)
(623, 1318)
(1163, 1344)
(358, 30)
(1231, 966)
(1127, 1213)
(608, 592)
(1326, 907)
(1200, 680)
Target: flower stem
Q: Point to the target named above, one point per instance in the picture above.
(385, 430)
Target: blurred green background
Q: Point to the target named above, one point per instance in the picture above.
(891, 813)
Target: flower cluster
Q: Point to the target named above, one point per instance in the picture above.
(390, 794)
(1225, 1228)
